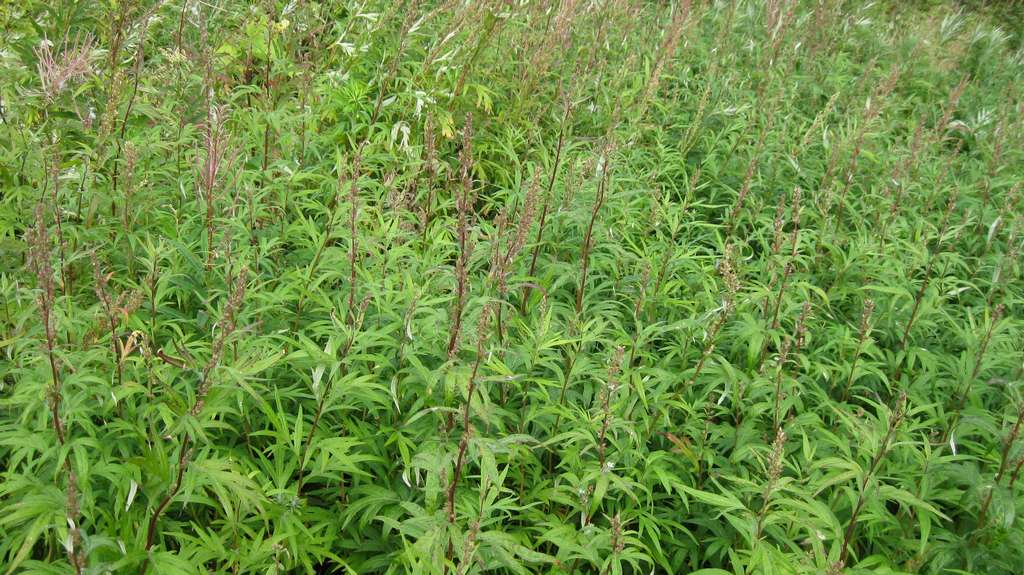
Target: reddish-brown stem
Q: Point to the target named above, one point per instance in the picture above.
(883, 449)
(1003, 464)
(466, 429)
(353, 198)
(462, 201)
(962, 394)
(323, 402)
(139, 56)
(589, 237)
(227, 324)
(183, 459)
(547, 202)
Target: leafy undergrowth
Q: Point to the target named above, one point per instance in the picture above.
(510, 286)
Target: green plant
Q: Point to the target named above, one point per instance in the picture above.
(453, 287)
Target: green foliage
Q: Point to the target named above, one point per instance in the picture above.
(459, 287)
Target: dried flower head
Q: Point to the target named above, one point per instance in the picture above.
(466, 158)
(615, 367)
(525, 218)
(227, 327)
(618, 541)
(779, 222)
(775, 462)
(468, 548)
(997, 313)
(784, 349)
(57, 72)
(801, 326)
(40, 253)
(668, 48)
(865, 317)
(728, 273)
(796, 205)
(210, 163)
(900, 411)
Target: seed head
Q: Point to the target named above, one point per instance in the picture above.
(775, 463)
(865, 318)
(780, 221)
(997, 313)
(801, 326)
(618, 541)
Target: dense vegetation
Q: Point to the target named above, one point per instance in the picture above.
(510, 286)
